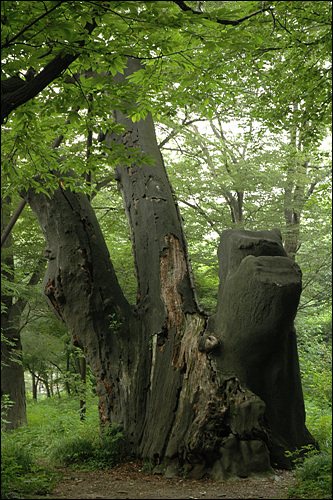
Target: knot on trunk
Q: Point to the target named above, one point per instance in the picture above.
(208, 342)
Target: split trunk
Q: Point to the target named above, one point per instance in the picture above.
(218, 395)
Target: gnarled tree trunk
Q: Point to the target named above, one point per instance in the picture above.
(178, 384)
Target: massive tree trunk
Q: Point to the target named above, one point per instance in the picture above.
(176, 383)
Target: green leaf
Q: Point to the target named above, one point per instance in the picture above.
(136, 117)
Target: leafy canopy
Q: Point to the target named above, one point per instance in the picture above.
(59, 59)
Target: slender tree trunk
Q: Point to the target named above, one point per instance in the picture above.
(12, 371)
(291, 216)
(51, 384)
(57, 387)
(68, 390)
(12, 375)
(235, 202)
(83, 389)
(47, 385)
(165, 372)
(34, 383)
(294, 194)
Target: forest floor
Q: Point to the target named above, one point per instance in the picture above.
(130, 481)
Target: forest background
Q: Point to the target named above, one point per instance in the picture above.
(242, 112)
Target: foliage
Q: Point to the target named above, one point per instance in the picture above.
(21, 476)
(6, 404)
(112, 220)
(313, 477)
(315, 354)
(89, 451)
(55, 436)
(205, 269)
(75, 442)
(314, 473)
(176, 46)
(231, 175)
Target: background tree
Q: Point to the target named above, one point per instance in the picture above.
(17, 281)
(277, 182)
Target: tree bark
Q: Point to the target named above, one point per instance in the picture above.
(157, 364)
(259, 292)
(12, 371)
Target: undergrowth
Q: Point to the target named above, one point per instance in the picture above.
(313, 477)
(54, 437)
(314, 473)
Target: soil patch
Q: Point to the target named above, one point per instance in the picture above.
(130, 481)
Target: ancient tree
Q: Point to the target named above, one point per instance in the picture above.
(218, 394)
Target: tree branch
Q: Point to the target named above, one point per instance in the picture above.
(9, 42)
(30, 89)
(182, 5)
(12, 221)
(203, 213)
(175, 131)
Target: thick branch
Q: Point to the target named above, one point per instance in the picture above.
(12, 221)
(30, 89)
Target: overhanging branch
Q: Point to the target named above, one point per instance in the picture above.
(30, 89)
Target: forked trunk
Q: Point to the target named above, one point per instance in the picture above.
(178, 384)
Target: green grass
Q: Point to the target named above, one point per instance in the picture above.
(55, 436)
